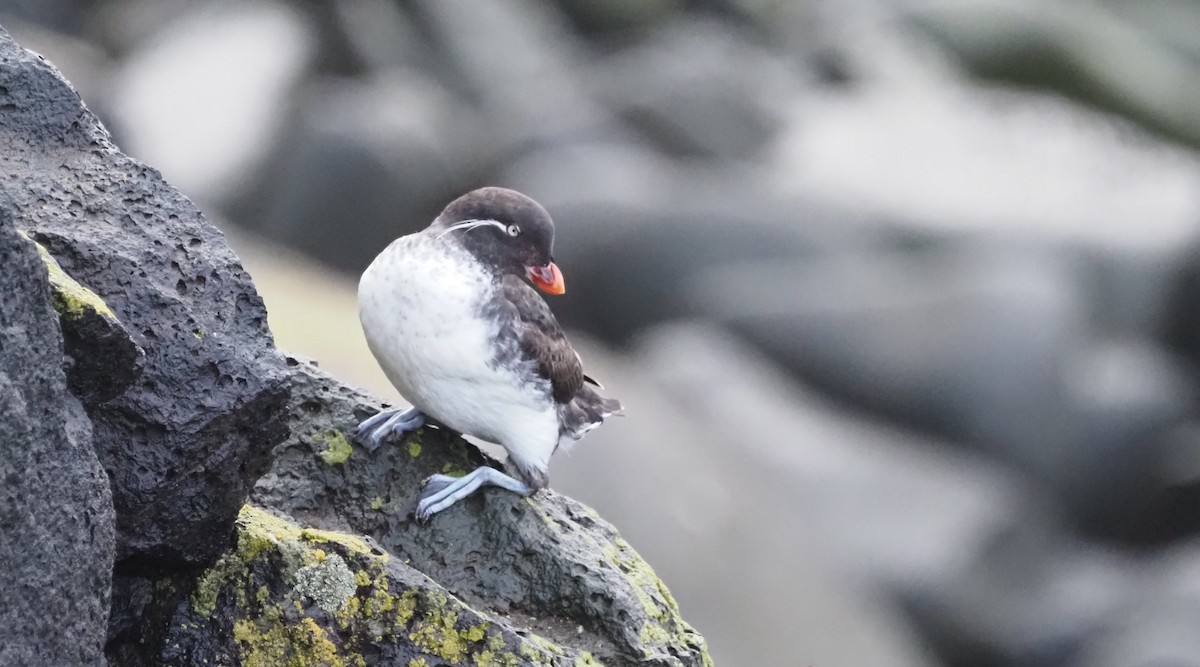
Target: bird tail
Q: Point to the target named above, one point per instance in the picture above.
(583, 413)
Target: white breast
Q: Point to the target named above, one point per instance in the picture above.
(419, 307)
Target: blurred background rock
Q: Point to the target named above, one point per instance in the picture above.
(903, 296)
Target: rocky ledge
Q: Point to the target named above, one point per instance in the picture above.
(238, 525)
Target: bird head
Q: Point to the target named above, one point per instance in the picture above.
(505, 231)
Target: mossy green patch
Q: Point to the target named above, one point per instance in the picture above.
(69, 298)
(376, 503)
(337, 448)
(414, 448)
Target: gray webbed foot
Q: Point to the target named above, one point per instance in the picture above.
(374, 430)
(442, 491)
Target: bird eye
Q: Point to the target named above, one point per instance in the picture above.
(513, 230)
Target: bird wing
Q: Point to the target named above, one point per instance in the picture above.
(542, 340)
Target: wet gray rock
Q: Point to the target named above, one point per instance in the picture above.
(56, 513)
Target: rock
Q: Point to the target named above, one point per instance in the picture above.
(183, 444)
(284, 594)
(590, 17)
(937, 338)
(343, 161)
(940, 338)
(943, 156)
(546, 566)
(183, 109)
(56, 512)
(698, 88)
(105, 360)
(1157, 625)
(1137, 59)
(516, 63)
(979, 557)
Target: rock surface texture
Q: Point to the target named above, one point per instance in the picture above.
(56, 515)
(161, 369)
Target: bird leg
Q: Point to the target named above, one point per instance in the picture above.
(374, 430)
(442, 491)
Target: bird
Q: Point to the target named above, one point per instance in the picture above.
(451, 315)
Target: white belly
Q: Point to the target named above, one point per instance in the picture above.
(419, 311)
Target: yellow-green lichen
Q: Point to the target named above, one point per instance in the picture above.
(210, 584)
(453, 469)
(664, 625)
(343, 577)
(495, 655)
(435, 632)
(70, 298)
(337, 448)
(376, 503)
(547, 518)
(537, 650)
(406, 606)
(259, 530)
(271, 642)
(585, 659)
(414, 448)
(418, 662)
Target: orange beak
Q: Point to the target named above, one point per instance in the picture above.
(547, 278)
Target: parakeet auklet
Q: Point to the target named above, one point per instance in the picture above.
(448, 316)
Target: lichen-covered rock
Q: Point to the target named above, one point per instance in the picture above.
(287, 595)
(56, 514)
(104, 359)
(183, 433)
(545, 565)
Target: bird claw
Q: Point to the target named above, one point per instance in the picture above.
(435, 483)
(440, 492)
(372, 432)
